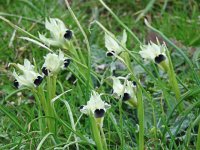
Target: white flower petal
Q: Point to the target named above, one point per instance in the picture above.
(61, 55)
(84, 110)
(28, 65)
(111, 44)
(49, 41)
(107, 106)
(118, 87)
(129, 88)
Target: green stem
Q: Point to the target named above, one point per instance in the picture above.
(49, 92)
(96, 133)
(42, 98)
(121, 122)
(141, 119)
(51, 89)
(39, 112)
(54, 80)
(45, 106)
(175, 88)
(103, 138)
(174, 83)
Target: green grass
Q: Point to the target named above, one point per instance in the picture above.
(164, 126)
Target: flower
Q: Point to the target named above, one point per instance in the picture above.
(126, 91)
(29, 77)
(95, 106)
(112, 46)
(54, 63)
(153, 52)
(59, 33)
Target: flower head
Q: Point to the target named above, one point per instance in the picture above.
(153, 52)
(112, 46)
(54, 63)
(29, 77)
(59, 33)
(95, 106)
(125, 91)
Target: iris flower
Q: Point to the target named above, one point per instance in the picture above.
(95, 106)
(155, 53)
(54, 63)
(112, 45)
(29, 77)
(59, 33)
(126, 91)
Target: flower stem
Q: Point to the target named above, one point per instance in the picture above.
(54, 80)
(141, 119)
(51, 89)
(39, 112)
(42, 98)
(96, 133)
(174, 83)
(103, 138)
(44, 106)
(121, 122)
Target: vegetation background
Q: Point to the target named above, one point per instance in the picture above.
(179, 20)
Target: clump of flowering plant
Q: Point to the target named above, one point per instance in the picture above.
(159, 54)
(30, 78)
(96, 109)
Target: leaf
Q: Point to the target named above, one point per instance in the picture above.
(36, 42)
